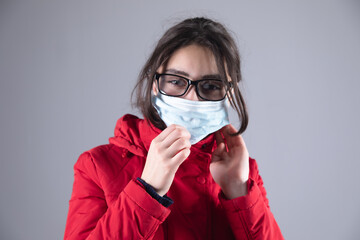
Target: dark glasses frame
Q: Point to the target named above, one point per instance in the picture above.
(192, 82)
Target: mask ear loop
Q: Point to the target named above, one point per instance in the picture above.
(155, 86)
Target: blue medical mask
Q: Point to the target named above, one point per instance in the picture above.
(200, 118)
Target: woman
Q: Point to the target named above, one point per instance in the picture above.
(184, 172)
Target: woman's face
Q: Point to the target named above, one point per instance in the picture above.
(193, 62)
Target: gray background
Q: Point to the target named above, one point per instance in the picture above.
(67, 69)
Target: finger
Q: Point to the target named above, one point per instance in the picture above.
(218, 153)
(177, 133)
(218, 137)
(177, 146)
(181, 156)
(242, 142)
(220, 146)
(163, 135)
(231, 141)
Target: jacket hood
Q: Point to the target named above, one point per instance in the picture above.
(136, 134)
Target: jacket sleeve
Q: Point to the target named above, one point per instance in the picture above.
(250, 216)
(134, 214)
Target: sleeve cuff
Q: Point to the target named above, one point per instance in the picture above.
(243, 202)
(135, 190)
(165, 200)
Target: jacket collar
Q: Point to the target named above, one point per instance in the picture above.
(136, 135)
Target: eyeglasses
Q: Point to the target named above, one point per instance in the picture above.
(177, 86)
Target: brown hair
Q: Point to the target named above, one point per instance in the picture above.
(203, 32)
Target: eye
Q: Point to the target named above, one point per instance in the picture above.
(176, 82)
(212, 85)
(173, 81)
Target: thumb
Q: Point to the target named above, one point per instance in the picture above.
(217, 155)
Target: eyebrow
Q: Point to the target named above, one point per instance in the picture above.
(178, 72)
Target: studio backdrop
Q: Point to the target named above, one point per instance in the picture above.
(67, 70)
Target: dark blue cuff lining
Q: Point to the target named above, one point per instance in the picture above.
(165, 200)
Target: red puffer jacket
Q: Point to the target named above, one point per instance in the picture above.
(108, 202)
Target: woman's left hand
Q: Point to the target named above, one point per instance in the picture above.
(230, 163)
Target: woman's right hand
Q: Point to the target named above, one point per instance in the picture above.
(166, 153)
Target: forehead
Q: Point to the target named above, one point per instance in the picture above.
(194, 60)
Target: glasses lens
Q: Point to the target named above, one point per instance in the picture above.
(212, 89)
(172, 85)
